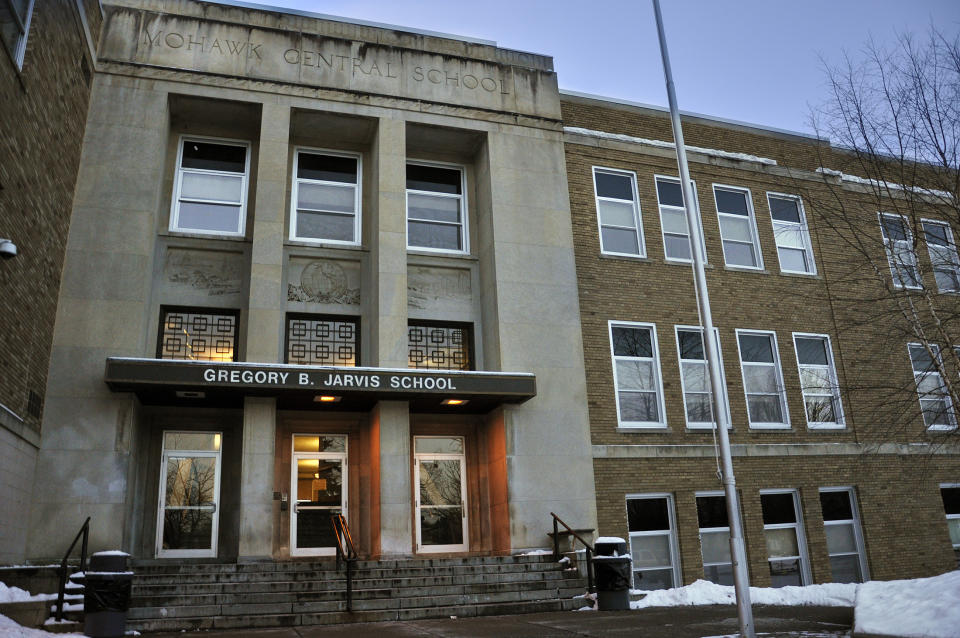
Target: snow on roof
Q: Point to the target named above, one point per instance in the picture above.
(853, 179)
(712, 152)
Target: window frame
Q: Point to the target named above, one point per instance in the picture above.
(466, 326)
(752, 217)
(671, 533)
(173, 225)
(700, 530)
(637, 211)
(888, 249)
(955, 265)
(228, 312)
(701, 425)
(778, 366)
(950, 408)
(299, 316)
(18, 51)
(660, 207)
(951, 517)
(464, 209)
(802, 226)
(857, 530)
(655, 352)
(357, 196)
(806, 577)
(841, 422)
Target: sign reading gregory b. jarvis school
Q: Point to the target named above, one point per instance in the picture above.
(130, 373)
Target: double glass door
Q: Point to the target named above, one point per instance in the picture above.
(318, 491)
(441, 494)
(189, 495)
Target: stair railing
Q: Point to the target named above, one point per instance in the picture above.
(556, 546)
(85, 534)
(346, 552)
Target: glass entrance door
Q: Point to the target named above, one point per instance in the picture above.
(440, 468)
(189, 494)
(319, 488)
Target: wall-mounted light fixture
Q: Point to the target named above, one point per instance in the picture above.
(8, 249)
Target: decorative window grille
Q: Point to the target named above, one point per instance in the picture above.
(439, 346)
(323, 341)
(197, 334)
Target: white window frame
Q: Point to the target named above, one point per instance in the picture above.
(952, 517)
(800, 226)
(831, 370)
(670, 533)
(701, 530)
(637, 216)
(19, 50)
(892, 255)
(357, 195)
(937, 261)
(805, 575)
(464, 216)
(918, 376)
(857, 529)
(752, 221)
(178, 179)
(655, 352)
(784, 408)
(701, 425)
(669, 207)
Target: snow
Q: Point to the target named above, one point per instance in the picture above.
(17, 595)
(854, 179)
(743, 157)
(931, 610)
(609, 539)
(704, 592)
(10, 629)
(112, 552)
(537, 552)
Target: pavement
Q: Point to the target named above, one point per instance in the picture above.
(663, 622)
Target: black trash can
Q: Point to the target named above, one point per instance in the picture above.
(106, 596)
(611, 573)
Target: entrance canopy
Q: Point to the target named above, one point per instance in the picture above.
(220, 384)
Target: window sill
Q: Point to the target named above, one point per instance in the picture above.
(826, 428)
(637, 258)
(685, 264)
(184, 234)
(770, 428)
(641, 429)
(413, 252)
(801, 275)
(759, 271)
(299, 243)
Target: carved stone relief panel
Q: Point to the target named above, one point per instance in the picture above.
(439, 289)
(192, 272)
(324, 281)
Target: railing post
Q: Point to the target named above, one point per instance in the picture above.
(60, 592)
(349, 585)
(83, 545)
(556, 540)
(589, 571)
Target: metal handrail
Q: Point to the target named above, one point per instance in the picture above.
(556, 547)
(85, 533)
(346, 552)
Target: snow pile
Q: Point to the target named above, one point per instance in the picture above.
(17, 595)
(537, 552)
(10, 629)
(921, 608)
(704, 592)
(617, 137)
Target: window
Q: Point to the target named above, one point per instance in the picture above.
(695, 378)
(15, 18)
(934, 400)
(848, 564)
(323, 341)
(898, 242)
(762, 379)
(943, 255)
(197, 334)
(325, 203)
(786, 548)
(818, 381)
(439, 346)
(738, 229)
(951, 505)
(636, 375)
(210, 189)
(791, 233)
(436, 208)
(673, 220)
(618, 212)
(715, 538)
(653, 541)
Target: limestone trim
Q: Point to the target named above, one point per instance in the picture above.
(9, 420)
(649, 451)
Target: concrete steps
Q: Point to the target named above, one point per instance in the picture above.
(174, 597)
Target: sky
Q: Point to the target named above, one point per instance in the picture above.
(757, 61)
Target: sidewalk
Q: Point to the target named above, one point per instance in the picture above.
(663, 622)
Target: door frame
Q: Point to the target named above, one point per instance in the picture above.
(342, 457)
(161, 502)
(437, 456)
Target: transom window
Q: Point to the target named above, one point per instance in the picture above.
(197, 334)
(738, 230)
(210, 189)
(436, 208)
(762, 379)
(618, 212)
(951, 505)
(935, 401)
(786, 548)
(715, 538)
(898, 243)
(844, 541)
(818, 380)
(636, 374)
(673, 220)
(943, 255)
(439, 346)
(791, 233)
(653, 541)
(15, 18)
(326, 198)
(695, 377)
(323, 341)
